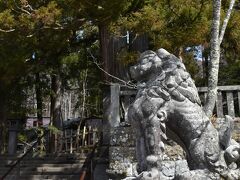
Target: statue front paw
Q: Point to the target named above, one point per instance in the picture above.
(153, 174)
(232, 153)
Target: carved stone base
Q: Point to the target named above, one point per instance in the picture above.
(178, 170)
(122, 153)
(198, 175)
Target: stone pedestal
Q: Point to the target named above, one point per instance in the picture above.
(122, 153)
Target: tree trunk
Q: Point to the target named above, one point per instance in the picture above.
(214, 59)
(39, 98)
(104, 50)
(216, 40)
(56, 101)
(104, 54)
(55, 114)
(3, 124)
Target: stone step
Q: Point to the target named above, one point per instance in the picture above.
(79, 165)
(63, 166)
(44, 170)
(52, 156)
(66, 165)
(44, 158)
(43, 177)
(41, 164)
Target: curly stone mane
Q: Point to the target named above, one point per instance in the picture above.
(168, 97)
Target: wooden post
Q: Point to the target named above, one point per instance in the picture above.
(239, 101)
(65, 139)
(80, 139)
(230, 104)
(70, 105)
(219, 105)
(61, 142)
(205, 97)
(71, 141)
(89, 136)
(94, 136)
(65, 106)
(114, 106)
(84, 134)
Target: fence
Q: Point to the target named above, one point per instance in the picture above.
(72, 140)
(82, 142)
(228, 101)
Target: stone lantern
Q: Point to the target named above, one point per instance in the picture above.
(13, 128)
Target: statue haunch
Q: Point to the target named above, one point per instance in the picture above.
(167, 100)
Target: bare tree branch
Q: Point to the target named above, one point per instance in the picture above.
(128, 84)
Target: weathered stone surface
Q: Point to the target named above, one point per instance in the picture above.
(122, 169)
(168, 97)
(171, 169)
(181, 167)
(173, 152)
(168, 169)
(122, 162)
(122, 154)
(122, 136)
(198, 175)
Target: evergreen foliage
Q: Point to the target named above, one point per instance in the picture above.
(60, 38)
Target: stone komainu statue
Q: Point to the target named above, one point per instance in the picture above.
(167, 100)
